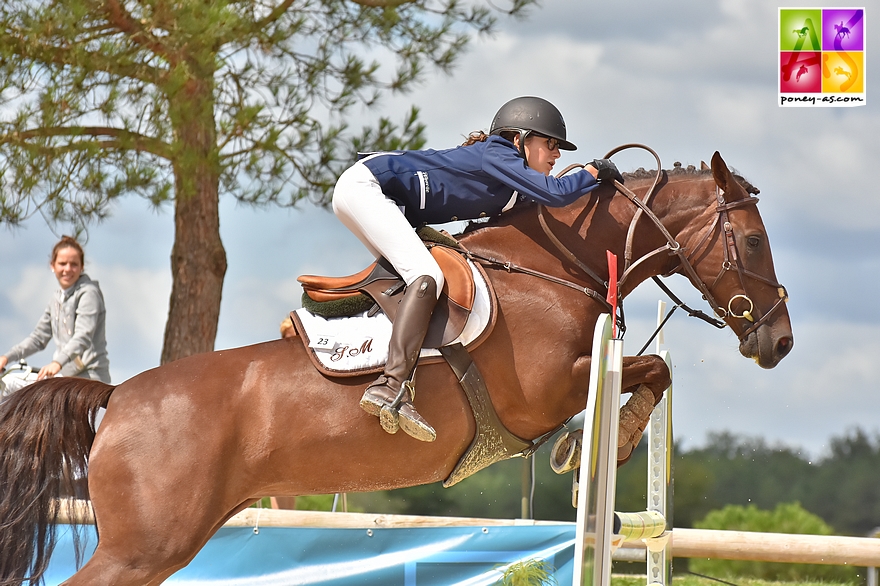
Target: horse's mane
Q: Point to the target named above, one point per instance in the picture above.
(641, 174)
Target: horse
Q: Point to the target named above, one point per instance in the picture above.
(185, 446)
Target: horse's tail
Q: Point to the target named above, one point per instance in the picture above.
(46, 432)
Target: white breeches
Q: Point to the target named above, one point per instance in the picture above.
(379, 223)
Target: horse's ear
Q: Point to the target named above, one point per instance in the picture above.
(704, 166)
(725, 180)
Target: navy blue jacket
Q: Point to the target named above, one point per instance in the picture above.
(467, 182)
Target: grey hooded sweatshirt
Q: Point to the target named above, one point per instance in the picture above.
(74, 320)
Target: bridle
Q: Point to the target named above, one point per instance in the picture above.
(732, 259)
(672, 247)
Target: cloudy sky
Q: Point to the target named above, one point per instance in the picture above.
(686, 78)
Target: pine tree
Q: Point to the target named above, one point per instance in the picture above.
(181, 101)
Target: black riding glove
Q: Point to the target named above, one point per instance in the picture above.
(607, 170)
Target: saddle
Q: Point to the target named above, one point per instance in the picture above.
(379, 287)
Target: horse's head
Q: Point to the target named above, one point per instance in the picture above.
(736, 274)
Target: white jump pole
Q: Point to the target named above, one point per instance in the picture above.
(598, 469)
(659, 550)
(596, 485)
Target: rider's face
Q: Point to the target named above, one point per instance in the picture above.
(541, 153)
(67, 267)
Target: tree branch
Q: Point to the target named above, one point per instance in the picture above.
(382, 3)
(274, 15)
(122, 20)
(46, 54)
(121, 139)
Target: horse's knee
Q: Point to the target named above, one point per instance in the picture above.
(650, 371)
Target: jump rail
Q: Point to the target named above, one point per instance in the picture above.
(600, 531)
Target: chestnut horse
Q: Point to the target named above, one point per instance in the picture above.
(185, 446)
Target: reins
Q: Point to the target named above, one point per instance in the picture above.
(672, 247)
(513, 268)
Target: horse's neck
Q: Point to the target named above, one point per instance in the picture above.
(599, 223)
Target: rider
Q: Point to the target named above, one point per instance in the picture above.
(74, 319)
(384, 195)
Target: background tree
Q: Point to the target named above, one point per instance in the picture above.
(840, 487)
(182, 100)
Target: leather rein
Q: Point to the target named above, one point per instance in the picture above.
(731, 254)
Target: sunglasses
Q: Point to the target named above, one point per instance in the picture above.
(552, 143)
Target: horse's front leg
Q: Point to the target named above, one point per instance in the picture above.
(645, 378)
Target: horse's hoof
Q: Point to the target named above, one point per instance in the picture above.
(389, 419)
(566, 453)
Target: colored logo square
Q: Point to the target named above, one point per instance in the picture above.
(801, 72)
(799, 29)
(843, 29)
(843, 72)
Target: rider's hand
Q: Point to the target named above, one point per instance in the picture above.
(3, 362)
(607, 170)
(49, 370)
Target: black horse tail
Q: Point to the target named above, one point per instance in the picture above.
(46, 432)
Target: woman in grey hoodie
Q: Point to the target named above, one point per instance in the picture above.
(74, 320)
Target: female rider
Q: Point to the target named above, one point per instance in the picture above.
(383, 196)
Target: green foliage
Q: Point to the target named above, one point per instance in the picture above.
(528, 573)
(849, 475)
(106, 98)
(785, 518)
(735, 470)
(319, 502)
(743, 471)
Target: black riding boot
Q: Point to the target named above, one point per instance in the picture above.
(390, 397)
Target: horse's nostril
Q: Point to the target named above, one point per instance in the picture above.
(784, 346)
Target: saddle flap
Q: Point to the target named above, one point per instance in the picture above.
(459, 280)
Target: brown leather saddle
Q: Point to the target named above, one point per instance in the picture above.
(383, 288)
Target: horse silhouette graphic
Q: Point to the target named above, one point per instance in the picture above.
(842, 31)
(801, 33)
(842, 71)
(800, 72)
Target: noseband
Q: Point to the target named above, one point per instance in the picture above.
(731, 254)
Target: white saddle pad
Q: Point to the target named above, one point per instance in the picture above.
(359, 344)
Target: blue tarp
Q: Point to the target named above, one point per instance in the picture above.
(426, 556)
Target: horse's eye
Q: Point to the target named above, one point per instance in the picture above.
(753, 241)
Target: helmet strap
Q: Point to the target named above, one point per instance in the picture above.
(523, 134)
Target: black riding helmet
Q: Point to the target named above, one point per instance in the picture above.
(531, 115)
